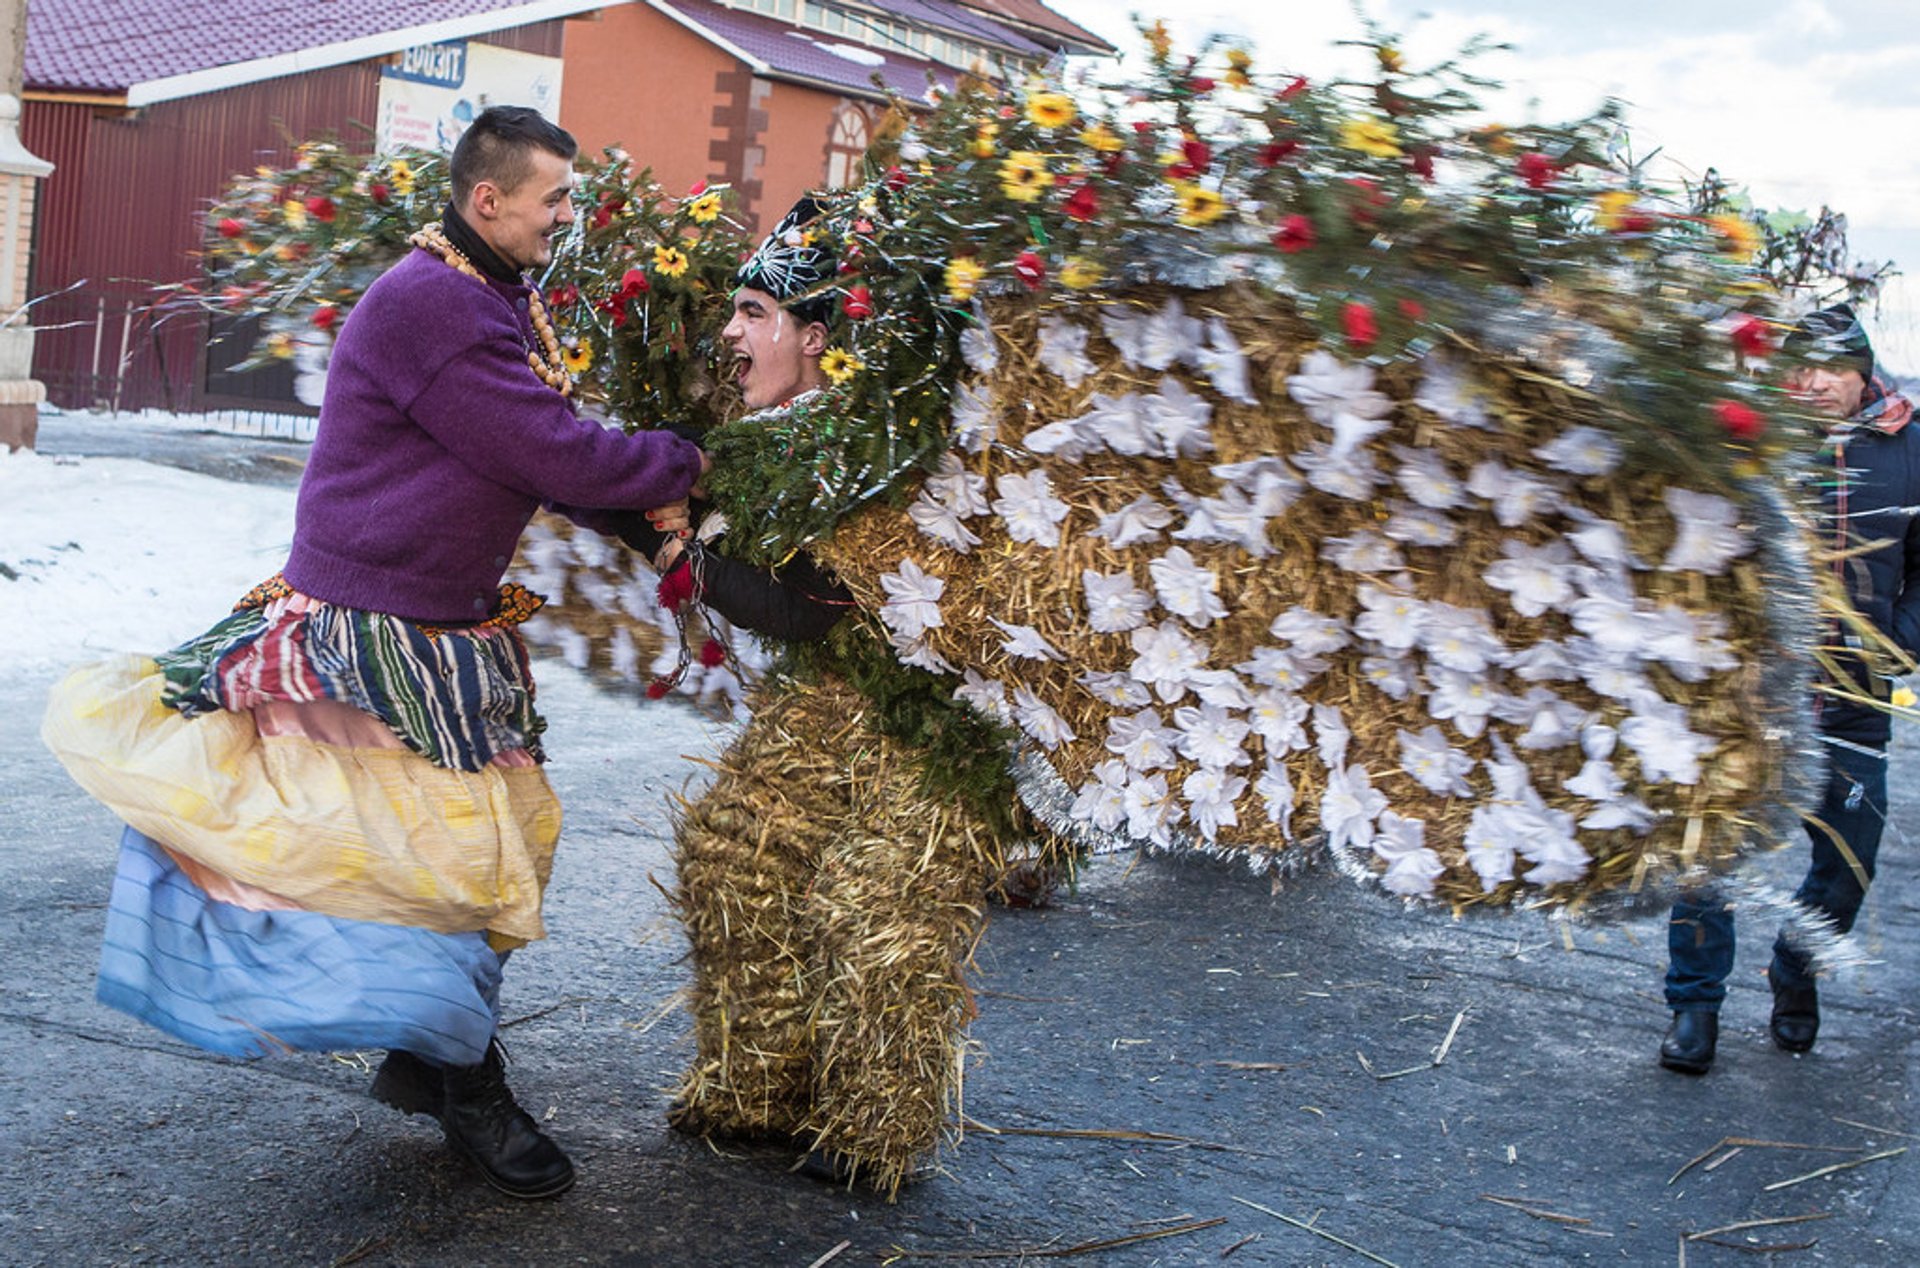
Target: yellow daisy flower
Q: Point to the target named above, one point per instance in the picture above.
(1390, 59)
(1738, 237)
(1079, 273)
(1159, 40)
(295, 213)
(1050, 109)
(280, 345)
(1200, 205)
(1024, 176)
(1610, 209)
(1239, 62)
(400, 176)
(669, 261)
(962, 277)
(704, 209)
(982, 144)
(1102, 139)
(839, 365)
(1371, 136)
(577, 357)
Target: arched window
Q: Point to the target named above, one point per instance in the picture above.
(846, 143)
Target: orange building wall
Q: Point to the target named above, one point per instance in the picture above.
(637, 79)
(799, 121)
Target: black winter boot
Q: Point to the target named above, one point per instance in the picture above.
(1796, 1016)
(485, 1124)
(1688, 1047)
(409, 1084)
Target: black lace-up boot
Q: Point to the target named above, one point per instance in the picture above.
(409, 1084)
(486, 1125)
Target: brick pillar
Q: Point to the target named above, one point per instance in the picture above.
(20, 394)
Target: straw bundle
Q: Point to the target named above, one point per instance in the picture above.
(1307, 556)
(831, 905)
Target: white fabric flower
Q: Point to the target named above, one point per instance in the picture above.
(1493, 837)
(1547, 721)
(1418, 526)
(1433, 763)
(941, 523)
(1516, 497)
(1613, 624)
(1027, 504)
(1151, 811)
(1211, 736)
(1308, 632)
(977, 345)
(1283, 668)
(1445, 390)
(1065, 439)
(1169, 336)
(1142, 740)
(1534, 577)
(1364, 551)
(1412, 868)
(1275, 787)
(1667, 747)
(1232, 518)
(1427, 479)
(1164, 658)
(912, 606)
(917, 652)
(1545, 661)
(1349, 807)
(1037, 718)
(1219, 687)
(1390, 618)
(1618, 679)
(1210, 794)
(1187, 590)
(1023, 642)
(986, 696)
(1138, 521)
(1601, 540)
(1394, 676)
(1326, 388)
(975, 423)
(1117, 422)
(1330, 735)
(1267, 481)
(952, 485)
(1063, 349)
(1463, 699)
(1114, 603)
(1581, 451)
(1279, 718)
(1179, 419)
(1351, 476)
(1690, 646)
(1710, 536)
(1224, 364)
(1103, 799)
(1460, 638)
(1115, 690)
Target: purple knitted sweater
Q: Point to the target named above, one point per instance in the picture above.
(437, 444)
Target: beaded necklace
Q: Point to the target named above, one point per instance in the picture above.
(551, 367)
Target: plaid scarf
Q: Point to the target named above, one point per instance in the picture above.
(1882, 408)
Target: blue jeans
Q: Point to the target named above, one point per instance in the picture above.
(1700, 937)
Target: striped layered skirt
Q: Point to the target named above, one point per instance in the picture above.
(337, 823)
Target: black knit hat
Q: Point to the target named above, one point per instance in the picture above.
(1832, 338)
(794, 260)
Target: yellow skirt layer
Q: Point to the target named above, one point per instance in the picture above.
(364, 833)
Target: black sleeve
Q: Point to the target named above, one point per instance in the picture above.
(799, 601)
(632, 528)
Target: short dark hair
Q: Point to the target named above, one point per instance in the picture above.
(494, 148)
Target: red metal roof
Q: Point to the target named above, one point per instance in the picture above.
(1034, 15)
(111, 45)
(790, 52)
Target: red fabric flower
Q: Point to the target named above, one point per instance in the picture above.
(563, 296)
(1294, 89)
(1142, 127)
(1294, 235)
(324, 316)
(857, 303)
(379, 193)
(230, 228)
(1276, 153)
(321, 208)
(699, 188)
(604, 213)
(1358, 321)
(1199, 84)
(1030, 269)
(1412, 309)
(1420, 160)
(658, 688)
(712, 653)
(897, 178)
(1741, 422)
(633, 283)
(1752, 337)
(1083, 205)
(676, 587)
(1537, 170)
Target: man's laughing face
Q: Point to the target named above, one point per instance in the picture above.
(776, 356)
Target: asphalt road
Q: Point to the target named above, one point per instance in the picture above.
(1174, 1043)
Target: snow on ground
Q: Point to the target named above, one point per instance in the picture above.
(106, 555)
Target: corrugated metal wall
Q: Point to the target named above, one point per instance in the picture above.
(122, 216)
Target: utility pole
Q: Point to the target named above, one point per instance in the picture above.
(20, 172)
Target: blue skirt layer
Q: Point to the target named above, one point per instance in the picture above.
(249, 983)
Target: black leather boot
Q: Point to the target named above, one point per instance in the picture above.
(485, 1125)
(1690, 1042)
(409, 1084)
(1796, 1016)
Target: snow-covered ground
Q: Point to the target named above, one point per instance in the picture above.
(105, 555)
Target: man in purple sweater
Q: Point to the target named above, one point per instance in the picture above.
(337, 824)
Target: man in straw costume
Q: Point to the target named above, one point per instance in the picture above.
(830, 899)
(338, 825)
(1868, 513)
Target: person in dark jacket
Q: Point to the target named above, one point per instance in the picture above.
(1870, 499)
